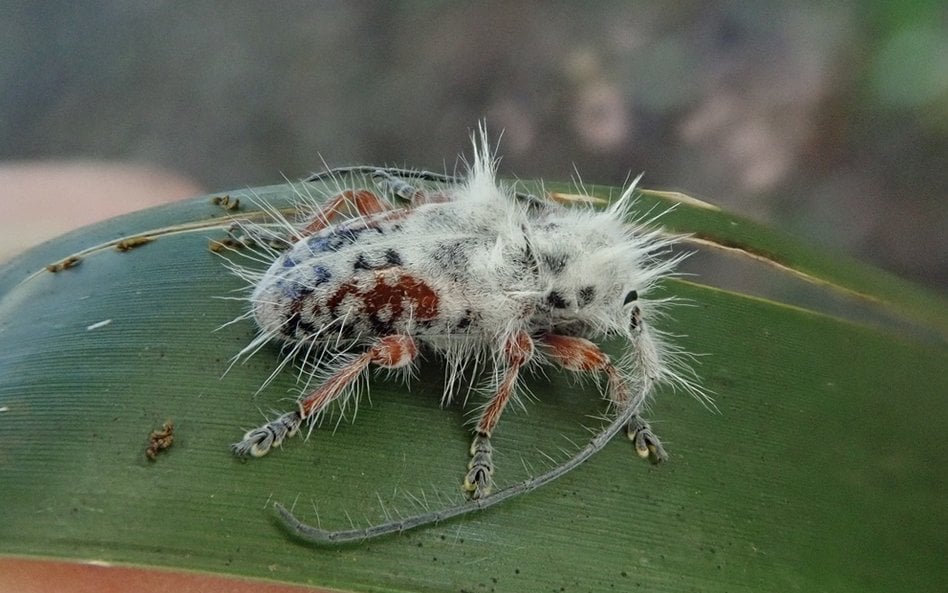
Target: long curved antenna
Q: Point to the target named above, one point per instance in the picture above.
(320, 536)
(395, 171)
(412, 174)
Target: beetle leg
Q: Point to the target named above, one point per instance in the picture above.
(518, 349)
(390, 352)
(582, 356)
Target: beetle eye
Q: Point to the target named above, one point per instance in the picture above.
(632, 296)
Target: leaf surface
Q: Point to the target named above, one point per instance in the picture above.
(824, 469)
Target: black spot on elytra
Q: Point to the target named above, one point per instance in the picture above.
(295, 326)
(377, 261)
(321, 275)
(528, 256)
(453, 257)
(298, 327)
(465, 321)
(425, 323)
(381, 327)
(585, 295)
(333, 240)
(293, 290)
(555, 264)
(524, 260)
(346, 331)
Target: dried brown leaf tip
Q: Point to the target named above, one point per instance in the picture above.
(159, 440)
(567, 199)
(133, 242)
(218, 245)
(226, 202)
(70, 262)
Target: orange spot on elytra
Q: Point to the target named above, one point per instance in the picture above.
(393, 290)
(341, 293)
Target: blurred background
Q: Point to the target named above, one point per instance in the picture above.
(827, 119)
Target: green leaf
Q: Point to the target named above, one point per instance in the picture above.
(824, 469)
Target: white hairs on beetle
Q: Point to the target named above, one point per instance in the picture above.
(471, 270)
